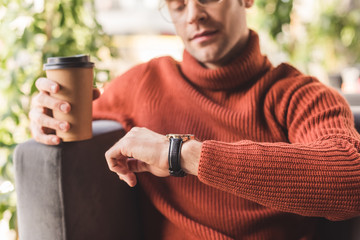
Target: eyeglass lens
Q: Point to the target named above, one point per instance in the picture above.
(175, 8)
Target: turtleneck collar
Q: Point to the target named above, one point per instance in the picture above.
(249, 64)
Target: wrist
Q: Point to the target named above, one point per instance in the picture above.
(190, 156)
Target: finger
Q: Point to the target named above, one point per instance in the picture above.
(44, 84)
(39, 120)
(117, 163)
(49, 139)
(44, 100)
(96, 93)
(130, 179)
(124, 173)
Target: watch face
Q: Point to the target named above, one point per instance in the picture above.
(184, 137)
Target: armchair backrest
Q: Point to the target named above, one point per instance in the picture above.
(356, 112)
(354, 102)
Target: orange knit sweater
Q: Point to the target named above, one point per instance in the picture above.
(279, 147)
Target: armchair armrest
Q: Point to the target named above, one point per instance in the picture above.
(68, 192)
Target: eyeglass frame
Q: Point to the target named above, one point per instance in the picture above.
(164, 5)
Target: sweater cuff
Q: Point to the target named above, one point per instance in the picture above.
(215, 169)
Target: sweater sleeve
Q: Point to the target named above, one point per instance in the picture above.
(316, 173)
(117, 101)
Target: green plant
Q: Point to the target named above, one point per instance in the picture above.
(32, 32)
(323, 33)
(338, 35)
(276, 15)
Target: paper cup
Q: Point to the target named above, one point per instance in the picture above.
(75, 76)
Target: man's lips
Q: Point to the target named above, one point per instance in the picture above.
(204, 34)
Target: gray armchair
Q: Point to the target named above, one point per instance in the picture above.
(67, 192)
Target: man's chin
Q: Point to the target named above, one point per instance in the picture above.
(207, 58)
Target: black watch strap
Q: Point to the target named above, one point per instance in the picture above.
(174, 157)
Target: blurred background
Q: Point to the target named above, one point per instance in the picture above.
(321, 38)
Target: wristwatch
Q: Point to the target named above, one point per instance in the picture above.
(176, 141)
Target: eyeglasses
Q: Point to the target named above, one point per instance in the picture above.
(174, 10)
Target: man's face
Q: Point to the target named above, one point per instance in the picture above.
(213, 34)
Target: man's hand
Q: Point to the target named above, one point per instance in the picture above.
(142, 150)
(42, 124)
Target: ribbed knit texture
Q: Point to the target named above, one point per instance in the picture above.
(278, 146)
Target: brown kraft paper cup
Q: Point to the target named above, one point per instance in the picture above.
(76, 88)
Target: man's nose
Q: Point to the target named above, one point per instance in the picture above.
(194, 12)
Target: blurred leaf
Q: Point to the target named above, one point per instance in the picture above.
(13, 220)
(62, 15)
(33, 88)
(75, 14)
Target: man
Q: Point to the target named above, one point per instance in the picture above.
(272, 148)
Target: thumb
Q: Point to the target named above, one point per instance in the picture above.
(96, 93)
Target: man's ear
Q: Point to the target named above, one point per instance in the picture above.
(249, 3)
